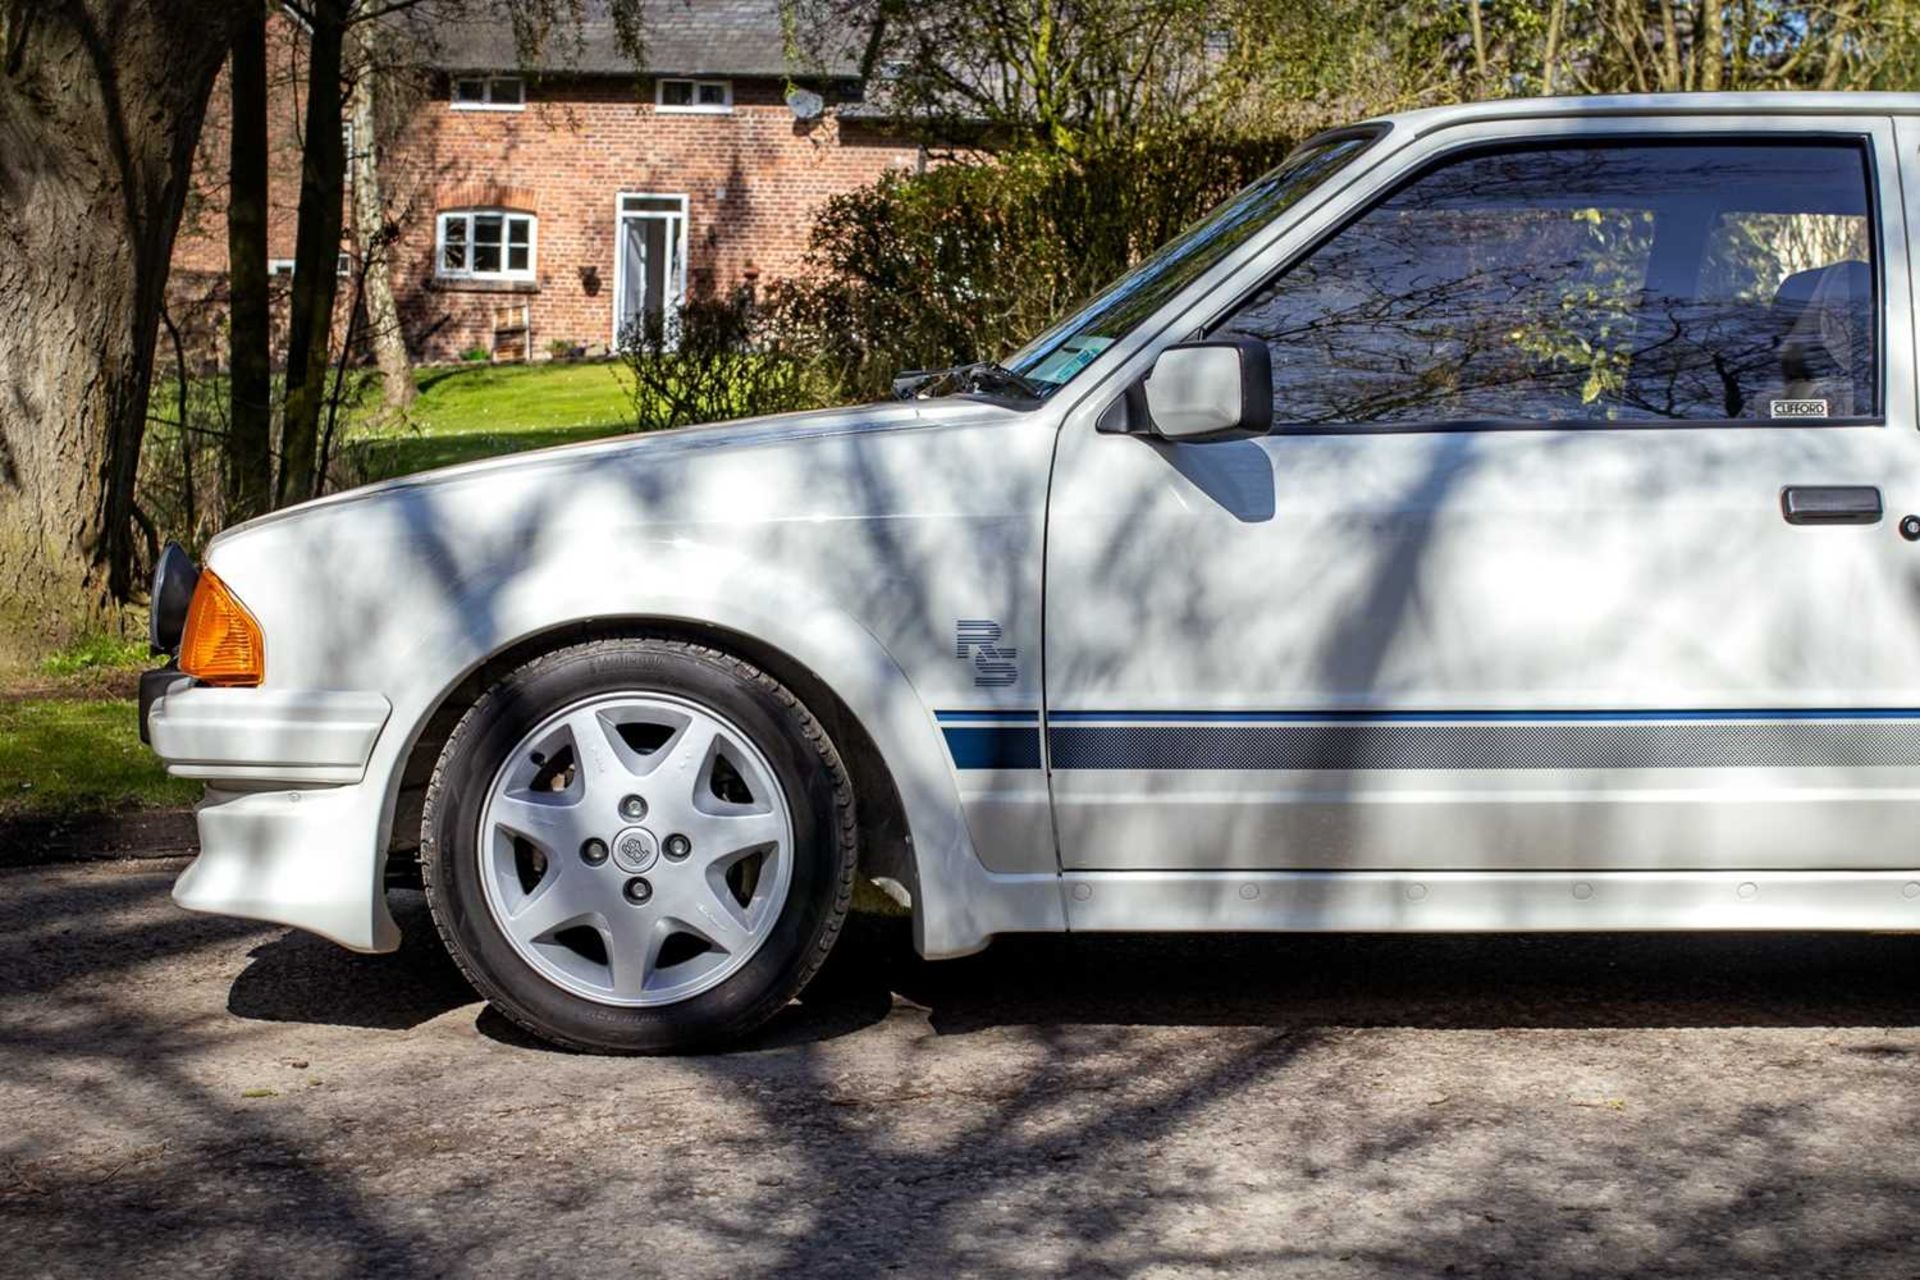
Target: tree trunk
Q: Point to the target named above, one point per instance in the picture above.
(249, 469)
(1479, 46)
(101, 103)
(1551, 59)
(316, 257)
(370, 230)
(1709, 53)
(1671, 80)
(1742, 38)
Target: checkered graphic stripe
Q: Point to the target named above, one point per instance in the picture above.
(1485, 746)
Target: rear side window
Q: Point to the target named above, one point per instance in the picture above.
(1628, 283)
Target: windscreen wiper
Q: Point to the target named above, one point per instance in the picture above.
(983, 377)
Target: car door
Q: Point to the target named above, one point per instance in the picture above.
(1575, 545)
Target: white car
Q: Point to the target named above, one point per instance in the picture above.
(1496, 518)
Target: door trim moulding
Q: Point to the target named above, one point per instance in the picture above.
(1488, 902)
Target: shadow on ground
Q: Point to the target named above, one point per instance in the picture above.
(1449, 982)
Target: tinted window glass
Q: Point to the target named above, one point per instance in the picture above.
(1054, 357)
(1593, 284)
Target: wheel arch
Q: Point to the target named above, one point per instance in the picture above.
(885, 842)
(795, 625)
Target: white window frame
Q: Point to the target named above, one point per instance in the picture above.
(505, 273)
(678, 225)
(487, 103)
(696, 107)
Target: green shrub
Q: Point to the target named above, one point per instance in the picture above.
(716, 358)
(476, 355)
(971, 259)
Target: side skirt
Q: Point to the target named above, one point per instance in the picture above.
(1488, 902)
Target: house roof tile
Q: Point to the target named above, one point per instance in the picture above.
(683, 37)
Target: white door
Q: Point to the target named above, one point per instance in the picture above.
(649, 264)
(1512, 586)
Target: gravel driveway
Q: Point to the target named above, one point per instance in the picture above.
(182, 1095)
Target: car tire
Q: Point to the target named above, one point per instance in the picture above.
(737, 957)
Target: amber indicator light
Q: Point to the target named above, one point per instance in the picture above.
(222, 642)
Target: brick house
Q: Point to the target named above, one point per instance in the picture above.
(561, 202)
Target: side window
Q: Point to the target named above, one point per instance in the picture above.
(1610, 282)
(489, 93)
(485, 244)
(694, 96)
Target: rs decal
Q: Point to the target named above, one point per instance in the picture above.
(994, 667)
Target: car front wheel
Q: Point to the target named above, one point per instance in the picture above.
(638, 846)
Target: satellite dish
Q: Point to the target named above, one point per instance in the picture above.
(805, 104)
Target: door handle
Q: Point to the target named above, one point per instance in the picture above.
(1830, 504)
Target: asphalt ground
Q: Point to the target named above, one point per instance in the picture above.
(184, 1096)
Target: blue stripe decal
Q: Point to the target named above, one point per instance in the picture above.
(987, 717)
(994, 747)
(1566, 745)
(1352, 741)
(1478, 717)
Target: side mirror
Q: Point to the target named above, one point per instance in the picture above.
(1219, 389)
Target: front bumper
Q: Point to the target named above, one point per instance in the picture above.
(262, 735)
(310, 859)
(291, 826)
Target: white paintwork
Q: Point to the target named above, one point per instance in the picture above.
(1252, 573)
(312, 857)
(849, 541)
(267, 735)
(1574, 570)
(1195, 391)
(1482, 902)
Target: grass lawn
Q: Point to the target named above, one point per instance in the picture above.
(463, 412)
(70, 737)
(474, 411)
(64, 756)
(456, 399)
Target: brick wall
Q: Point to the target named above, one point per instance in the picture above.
(752, 178)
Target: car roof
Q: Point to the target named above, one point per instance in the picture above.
(1795, 104)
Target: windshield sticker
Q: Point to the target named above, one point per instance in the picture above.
(1796, 408)
(1071, 358)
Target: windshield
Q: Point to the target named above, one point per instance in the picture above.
(1053, 358)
